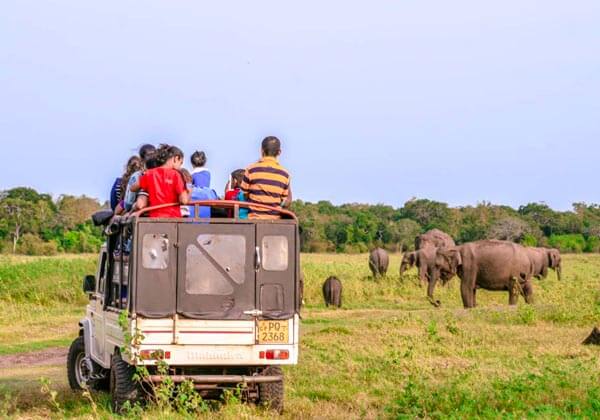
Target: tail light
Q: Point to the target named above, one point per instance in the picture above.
(274, 355)
(155, 355)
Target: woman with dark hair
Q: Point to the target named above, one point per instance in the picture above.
(200, 175)
(164, 184)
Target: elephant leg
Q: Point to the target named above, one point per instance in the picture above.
(474, 297)
(528, 292)
(466, 292)
(423, 278)
(513, 291)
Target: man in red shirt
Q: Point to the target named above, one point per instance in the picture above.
(164, 185)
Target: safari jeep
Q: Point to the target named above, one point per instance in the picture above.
(217, 300)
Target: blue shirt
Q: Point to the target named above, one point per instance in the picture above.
(201, 178)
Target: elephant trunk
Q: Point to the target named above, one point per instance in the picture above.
(403, 268)
(559, 271)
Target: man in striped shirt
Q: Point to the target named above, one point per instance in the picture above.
(267, 182)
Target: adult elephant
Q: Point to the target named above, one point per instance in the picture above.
(543, 259)
(379, 262)
(435, 238)
(555, 262)
(489, 265)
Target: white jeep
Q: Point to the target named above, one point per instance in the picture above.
(217, 300)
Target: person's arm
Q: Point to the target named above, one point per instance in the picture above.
(184, 197)
(141, 201)
(245, 187)
(287, 197)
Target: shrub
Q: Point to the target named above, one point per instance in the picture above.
(592, 244)
(568, 243)
(80, 241)
(529, 240)
(34, 245)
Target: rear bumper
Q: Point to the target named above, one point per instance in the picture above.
(204, 355)
(216, 379)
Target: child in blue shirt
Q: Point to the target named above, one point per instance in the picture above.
(200, 175)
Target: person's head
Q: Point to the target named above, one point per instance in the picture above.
(169, 156)
(198, 159)
(146, 150)
(237, 177)
(271, 147)
(134, 164)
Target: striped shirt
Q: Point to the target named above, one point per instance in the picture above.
(266, 182)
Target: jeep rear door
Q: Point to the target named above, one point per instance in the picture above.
(216, 271)
(275, 279)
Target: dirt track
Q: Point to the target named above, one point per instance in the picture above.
(48, 357)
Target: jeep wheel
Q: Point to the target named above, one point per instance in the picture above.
(77, 369)
(123, 388)
(270, 395)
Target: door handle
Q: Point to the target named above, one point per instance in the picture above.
(257, 259)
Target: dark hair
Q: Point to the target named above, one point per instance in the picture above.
(134, 164)
(238, 175)
(185, 174)
(198, 159)
(271, 146)
(146, 150)
(166, 152)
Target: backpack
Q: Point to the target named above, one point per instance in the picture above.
(201, 194)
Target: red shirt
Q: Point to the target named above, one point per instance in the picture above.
(164, 186)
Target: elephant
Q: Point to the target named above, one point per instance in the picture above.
(332, 292)
(541, 261)
(556, 262)
(434, 237)
(424, 259)
(379, 262)
(489, 265)
(426, 246)
(544, 258)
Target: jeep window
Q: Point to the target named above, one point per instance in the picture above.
(275, 253)
(155, 251)
(215, 264)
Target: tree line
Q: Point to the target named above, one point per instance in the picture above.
(358, 227)
(36, 224)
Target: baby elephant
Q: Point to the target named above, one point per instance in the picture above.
(332, 292)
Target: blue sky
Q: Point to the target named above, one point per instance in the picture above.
(377, 101)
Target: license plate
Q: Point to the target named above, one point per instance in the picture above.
(273, 332)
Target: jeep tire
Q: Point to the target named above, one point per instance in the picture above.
(270, 395)
(77, 370)
(123, 387)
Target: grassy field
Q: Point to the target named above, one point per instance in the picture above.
(387, 354)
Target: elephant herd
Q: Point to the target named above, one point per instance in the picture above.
(487, 264)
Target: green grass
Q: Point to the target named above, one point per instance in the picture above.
(386, 354)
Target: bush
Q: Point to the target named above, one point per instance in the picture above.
(529, 240)
(34, 245)
(80, 241)
(568, 243)
(592, 244)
